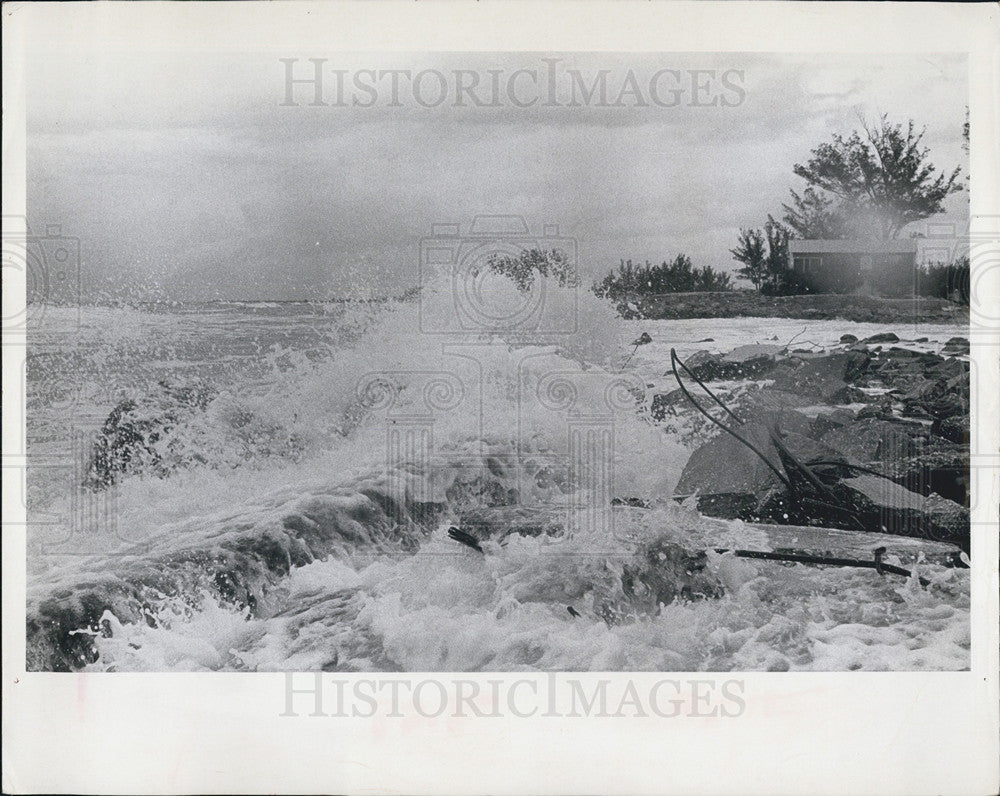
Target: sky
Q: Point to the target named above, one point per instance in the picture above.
(202, 178)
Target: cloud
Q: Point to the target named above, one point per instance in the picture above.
(190, 178)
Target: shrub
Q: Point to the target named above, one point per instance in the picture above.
(523, 268)
(945, 280)
(678, 276)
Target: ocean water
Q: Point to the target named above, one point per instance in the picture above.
(296, 517)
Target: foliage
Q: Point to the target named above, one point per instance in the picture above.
(765, 257)
(871, 184)
(945, 280)
(529, 262)
(815, 216)
(750, 250)
(678, 276)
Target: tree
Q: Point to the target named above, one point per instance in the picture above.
(778, 236)
(529, 262)
(750, 251)
(871, 184)
(815, 216)
(764, 254)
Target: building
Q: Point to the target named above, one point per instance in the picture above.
(883, 268)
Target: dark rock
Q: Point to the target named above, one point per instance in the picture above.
(827, 378)
(895, 509)
(808, 450)
(784, 419)
(848, 339)
(939, 467)
(643, 339)
(733, 482)
(883, 337)
(881, 409)
(497, 523)
(866, 441)
(665, 404)
(744, 354)
(661, 572)
(769, 404)
(956, 428)
(749, 361)
(730, 479)
(938, 399)
(704, 364)
(921, 340)
(132, 438)
(827, 421)
(936, 367)
(956, 346)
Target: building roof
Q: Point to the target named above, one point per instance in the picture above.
(903, 246)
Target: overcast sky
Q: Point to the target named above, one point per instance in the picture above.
(191, 180)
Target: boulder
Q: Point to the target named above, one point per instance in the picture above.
(136, 434)
(808, 450)
(938, 399)
(827, 421)
(956, 428)
(848, 339)
(498, 522)
(661, 572)
(956, 346)
(666, 404)
(769, 404)
(887, 506)
(883, 337)
(939, 467)
(748, 355)
(866, 441)
(880, 409)
(704, 364)
(827, 378)
(731, 481)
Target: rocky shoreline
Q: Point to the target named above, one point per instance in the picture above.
(866, 436)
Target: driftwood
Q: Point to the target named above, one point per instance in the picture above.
(494, 524)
